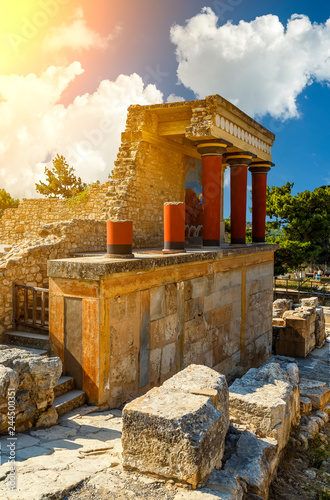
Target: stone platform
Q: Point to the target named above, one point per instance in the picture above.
(148, 317)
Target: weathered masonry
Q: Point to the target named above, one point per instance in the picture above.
(124, 326)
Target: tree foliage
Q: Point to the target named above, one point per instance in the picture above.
(61, 181)
(6, 201)
(304, 224)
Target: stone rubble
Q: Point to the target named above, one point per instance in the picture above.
(297, 330)
(33, 379)
(85, 449)
(253, 465)
(266, 400)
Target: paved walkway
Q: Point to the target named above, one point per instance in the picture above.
(86, 446)
(50, 461)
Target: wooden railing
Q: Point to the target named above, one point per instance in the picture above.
(30, 306)
(302, 286)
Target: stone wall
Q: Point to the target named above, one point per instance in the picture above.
(149, 171)
(24, 221)
(149, 318)
(26, 263)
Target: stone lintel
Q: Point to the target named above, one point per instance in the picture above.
(208, 119)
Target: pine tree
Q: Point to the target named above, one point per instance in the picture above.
(61, 181)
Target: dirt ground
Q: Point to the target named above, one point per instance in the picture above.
(304, 474)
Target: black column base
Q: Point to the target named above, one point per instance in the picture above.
(119, 249)
(257, 239)
(174, 245)
(211, 243)
(237, 241)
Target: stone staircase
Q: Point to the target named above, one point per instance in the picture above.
(67, 397)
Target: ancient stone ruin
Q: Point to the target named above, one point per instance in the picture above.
(180, 430)
(165, 319)
(298, 330)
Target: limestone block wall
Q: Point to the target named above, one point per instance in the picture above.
(25, 221)
(26, 263)
(149, 171)
(145, 326)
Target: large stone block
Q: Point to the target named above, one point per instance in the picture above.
(178, 430)
(195, 379)
(317, 391)
(310, 302)
(266, 400)
(291, 348)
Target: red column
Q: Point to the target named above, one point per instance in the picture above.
(259, 192)
(119, 238)
(174, 225)
(211, 152)
(238, 161)
(238, 186)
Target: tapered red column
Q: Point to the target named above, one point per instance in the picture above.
(211, 152)
(238, 161)
(259, 193)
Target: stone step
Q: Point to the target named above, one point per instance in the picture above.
(27, 339)
(69, 401)
(319, 396)
(306, 383)
(32, 350)
(65, 384)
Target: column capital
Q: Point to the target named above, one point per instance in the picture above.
(213, 147)
(239, 158)
(261, 167)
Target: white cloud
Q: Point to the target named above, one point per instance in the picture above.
(175, 98)
(260, 66)
(75, 35)
(34, 127)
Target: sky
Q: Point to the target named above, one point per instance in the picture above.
(70, 68)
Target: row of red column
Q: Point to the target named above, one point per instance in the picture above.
(212, 153)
